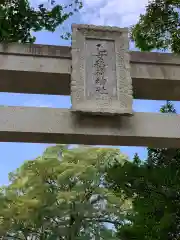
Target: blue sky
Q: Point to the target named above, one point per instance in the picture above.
(105, 12)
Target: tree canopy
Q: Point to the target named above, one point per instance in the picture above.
(63, 195)
(159, 27)
(18, 19)
(153, 185)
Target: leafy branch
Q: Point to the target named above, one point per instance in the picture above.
(18, 19)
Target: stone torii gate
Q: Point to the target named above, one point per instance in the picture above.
(102, 77)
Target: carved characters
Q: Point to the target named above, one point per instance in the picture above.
(100, 68)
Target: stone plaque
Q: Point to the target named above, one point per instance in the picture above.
(101, 81)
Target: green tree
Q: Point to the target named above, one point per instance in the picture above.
(153, 186)
(159, 27)
(18, 19)
(63, 195)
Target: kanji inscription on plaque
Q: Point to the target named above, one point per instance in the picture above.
(100, 80)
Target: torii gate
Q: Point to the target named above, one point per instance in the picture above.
(99, 55)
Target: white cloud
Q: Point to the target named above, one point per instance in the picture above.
(122, 13)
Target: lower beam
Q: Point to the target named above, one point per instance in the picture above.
(49, 125)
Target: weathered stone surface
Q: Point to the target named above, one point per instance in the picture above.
(55, 125)
(48, 71)
(35, 50)
(100, 81)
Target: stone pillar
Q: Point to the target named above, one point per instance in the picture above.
(101, 81)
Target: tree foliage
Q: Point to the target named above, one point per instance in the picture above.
(153, 186)
(18, 19)
(63, 195)
(159, 27)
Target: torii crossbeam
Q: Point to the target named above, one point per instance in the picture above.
(43, 69)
